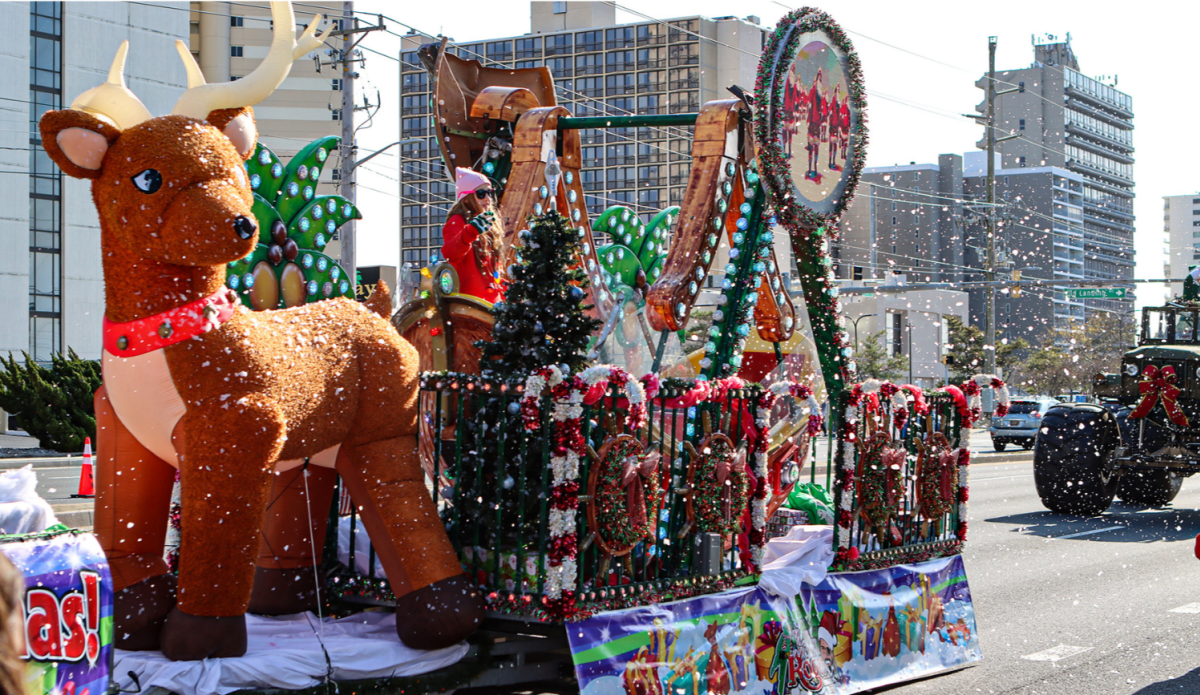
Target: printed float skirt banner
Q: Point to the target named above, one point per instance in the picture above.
(886, 626)
(68, 612)
(738, 641)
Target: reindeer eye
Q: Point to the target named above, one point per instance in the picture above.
(148, 181)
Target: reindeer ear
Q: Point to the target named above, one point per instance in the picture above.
(77, 141)
(239, 126)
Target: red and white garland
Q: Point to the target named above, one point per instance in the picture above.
(973, 389)
(569, 394)
(801, 392)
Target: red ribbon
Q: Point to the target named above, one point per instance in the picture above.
(1157, 384)
(635, 469)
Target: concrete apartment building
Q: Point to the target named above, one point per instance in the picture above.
(600, 67)
(927, 223)
(50, 270)
(1083, 125)
(1181, 229)
(905, 219)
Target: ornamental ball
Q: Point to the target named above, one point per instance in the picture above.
(575, 294)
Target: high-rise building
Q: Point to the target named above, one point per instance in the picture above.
(229, 40)
(905, 219)
(49, 233)
(928, 222)
(1181, 227)
(1067, 120)
(599, 68)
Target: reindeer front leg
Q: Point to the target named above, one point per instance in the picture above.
(225, 471)
(133, 497)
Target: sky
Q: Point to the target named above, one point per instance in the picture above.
(925, 54)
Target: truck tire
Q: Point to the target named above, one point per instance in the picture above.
(1073, 459)
(999, 446)
(1149, 488)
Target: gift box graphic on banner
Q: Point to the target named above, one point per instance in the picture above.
(67, 611)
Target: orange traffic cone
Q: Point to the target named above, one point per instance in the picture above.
(86, 486)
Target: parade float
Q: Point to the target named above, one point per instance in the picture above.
(595, 471)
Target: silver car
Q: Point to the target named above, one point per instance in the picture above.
(1021, 424)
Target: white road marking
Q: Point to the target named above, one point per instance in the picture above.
(1086, 533)
(1189, 608)
(1062, 651)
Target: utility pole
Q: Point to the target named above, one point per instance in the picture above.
(989, 346)
(345, 60)
(989, 341)
(349, 244)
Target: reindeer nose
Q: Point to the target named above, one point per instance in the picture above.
(245, 227)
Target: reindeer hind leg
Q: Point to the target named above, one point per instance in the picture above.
(436, 604)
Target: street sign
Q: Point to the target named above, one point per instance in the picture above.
(1096, 293)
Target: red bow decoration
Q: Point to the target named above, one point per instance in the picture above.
(637, 468)
(1157, 384)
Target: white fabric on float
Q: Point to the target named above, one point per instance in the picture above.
(22, 509)
(285, 652)
(802, 556)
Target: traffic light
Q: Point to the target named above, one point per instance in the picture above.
(1016, 289)
(948, 360)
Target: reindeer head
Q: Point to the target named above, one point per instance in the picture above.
(174, 188)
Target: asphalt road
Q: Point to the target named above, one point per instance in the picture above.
(1068, 605)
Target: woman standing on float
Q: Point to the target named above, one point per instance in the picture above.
(472, 236)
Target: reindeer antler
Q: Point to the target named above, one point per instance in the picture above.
(201, 99)
(112, 100)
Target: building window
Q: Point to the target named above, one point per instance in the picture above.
(236, 21)
(559, 7)
(235, 51)
(499, 50)
(893, 208)
(1021, 124)
(589, 41)
(335, 114)
(1020, 163)
(559, 43)
(529, 48)
(896, 344)
(858, 274)
(1021, 87)
(45, 185)
(336, 84)
(893, 224)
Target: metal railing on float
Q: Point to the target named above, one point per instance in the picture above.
(900, 489)
(662, 511)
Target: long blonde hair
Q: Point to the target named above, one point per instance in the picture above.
(12, 629)
(487, 246)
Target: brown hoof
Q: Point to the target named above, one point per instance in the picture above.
(283, 592)
(192, 637)
(439, 615)
(139, 611)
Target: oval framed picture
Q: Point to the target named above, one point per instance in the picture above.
(810, 125)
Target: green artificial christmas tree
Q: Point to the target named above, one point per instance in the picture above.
(53, 404)
(541, 320)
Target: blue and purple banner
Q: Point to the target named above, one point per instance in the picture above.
(738, 641)
(892, 625)
(68, 613)
(852, 632)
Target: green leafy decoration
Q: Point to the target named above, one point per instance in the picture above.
(287, 267)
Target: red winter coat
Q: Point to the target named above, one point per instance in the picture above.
(457, 240)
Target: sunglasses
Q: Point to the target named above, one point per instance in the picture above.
(484, 193)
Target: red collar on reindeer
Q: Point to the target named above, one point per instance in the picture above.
(176, 325)
(1157, 384)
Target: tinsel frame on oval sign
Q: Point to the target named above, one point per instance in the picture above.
(805, 225)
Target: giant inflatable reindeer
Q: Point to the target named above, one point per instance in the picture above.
(227, 396)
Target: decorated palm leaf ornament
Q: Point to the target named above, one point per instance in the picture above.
(288, 267)
(636, 248)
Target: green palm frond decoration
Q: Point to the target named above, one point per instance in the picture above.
(288, 267)
(637, 247)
